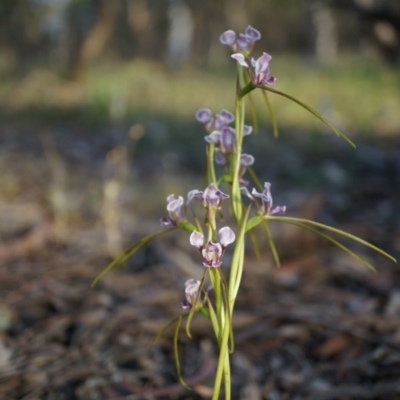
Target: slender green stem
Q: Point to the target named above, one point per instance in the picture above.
(211, 177)
(236, 198)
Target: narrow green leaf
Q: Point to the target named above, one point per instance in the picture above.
(255, 179)
(312, 111)
(271, 113)
(337, 244)
(213, 319)
(120, 260)
(165, 328)
(334, 230)
(176, 355)
(253, 222)
(271, 243)
(253, 113)
(256, 248)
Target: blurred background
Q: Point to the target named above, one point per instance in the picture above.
(97, 127)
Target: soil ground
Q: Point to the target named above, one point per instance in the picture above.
(321, 327)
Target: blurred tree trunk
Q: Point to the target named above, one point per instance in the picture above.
(96, 38)
(208, 25)
(325, 33)
(382, 24)
(235, 15)
(180, 33)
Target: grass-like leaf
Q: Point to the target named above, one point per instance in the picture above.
(334, 230)
(253, 112)
(271, 113)
(165, 328)
(337, 244)
(271, 243)
(253, 222)
(176, 355)
(120, 260)
(312, 111)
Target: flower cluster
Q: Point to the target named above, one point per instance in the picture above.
(214, 122)
(243, 42)
(210, 251)
(224, 138)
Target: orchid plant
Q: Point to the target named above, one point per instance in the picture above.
(224, 144)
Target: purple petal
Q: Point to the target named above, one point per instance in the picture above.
(228, 38)
(213, 195)
(192, 194)
(244, 42)
(261, 65)
(240, 59)
(278, 210)
(227, 116)
(252, 33)
(219, 157)
(271, 80)
(214, 137)
(197, 239)
(166, 222)
(228, 139)
(246, 160)
(246, 192)
(191, 289)
(174, 204)
(212, 253)
(247, 129)
(203, 115)
(185, 305)
(226, 236)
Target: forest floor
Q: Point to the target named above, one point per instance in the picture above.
(321, 327)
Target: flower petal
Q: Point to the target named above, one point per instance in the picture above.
(247, 129)
(246, 192)
(252, 33)
(226, 116)
(244, 42)
(228, 139)
(203, 115)
(196, 239)
(228, 38)
(194, 193)
(214, 196)
(240, 59)
(214, 137)
(226, 236)
(219, 157)
(246, 160)
(174, 204)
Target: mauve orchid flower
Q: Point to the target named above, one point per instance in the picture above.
(266, 199)
(191, 291)
(261, 75)
(243, 42)
(174, 210)
(216, 122)
(210, 251)
(212, 196)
